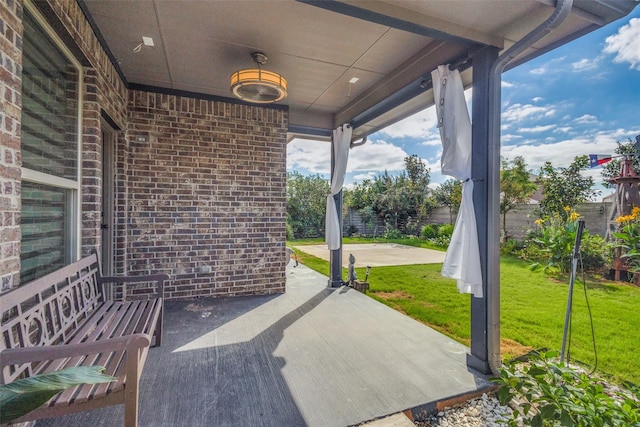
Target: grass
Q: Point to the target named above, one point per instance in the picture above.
(532, 310)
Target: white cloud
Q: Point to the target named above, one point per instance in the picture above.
(509, 137)
(539, 71)
(519, 112)
(537, 99)
(433, 142)
(586, 119)
(625, 44)
(310, 155)
(420, 125)
(537, 129)
(374, 156)
(584, 65)
(562, 153)
(507, 84)
(565, 129)
(362, 176)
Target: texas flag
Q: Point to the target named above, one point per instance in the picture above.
(596, 160)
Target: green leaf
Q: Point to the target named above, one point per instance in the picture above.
(566, 420)
(23, 396)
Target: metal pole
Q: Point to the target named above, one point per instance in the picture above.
(483, 156)
(574, 268)
(560, 13)
(335, 256)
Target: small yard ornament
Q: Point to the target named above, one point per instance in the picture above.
(353, 277)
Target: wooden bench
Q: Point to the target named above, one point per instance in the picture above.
(76, 317)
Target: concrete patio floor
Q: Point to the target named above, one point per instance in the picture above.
(378, 254)
(311, 357)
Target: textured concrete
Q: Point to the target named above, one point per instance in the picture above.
(378, 254)
(313, 356)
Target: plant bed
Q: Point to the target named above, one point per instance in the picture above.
(546, 392)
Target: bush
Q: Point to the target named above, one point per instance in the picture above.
(551, 246)
(445, 230)
(595, 252)
(429, 231)
(552, 394)
(392, 233)
(512, 247)
(289, 229)
(441, 241)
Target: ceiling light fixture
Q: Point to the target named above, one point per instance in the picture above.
(258, 85)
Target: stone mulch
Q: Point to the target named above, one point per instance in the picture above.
(483, 411)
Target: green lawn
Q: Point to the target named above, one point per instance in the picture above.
(532, 310)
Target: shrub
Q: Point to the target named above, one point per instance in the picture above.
(552, 394)
(289, 229)
(392, 233)
(628, 238)
(511, 247)
(441, 241)
(551, 245)
(445, 230)
(429, 231)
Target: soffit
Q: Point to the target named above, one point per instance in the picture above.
(319, 46)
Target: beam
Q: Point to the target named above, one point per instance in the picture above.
(384, 17)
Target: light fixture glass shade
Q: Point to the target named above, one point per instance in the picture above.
(258, 85)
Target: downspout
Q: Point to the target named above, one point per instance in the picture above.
(560, 13)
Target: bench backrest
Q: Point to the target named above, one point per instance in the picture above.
(48, 310)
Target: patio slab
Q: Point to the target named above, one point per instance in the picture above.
(378, 254)
(313, 356)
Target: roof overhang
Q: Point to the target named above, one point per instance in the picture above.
(391, 46)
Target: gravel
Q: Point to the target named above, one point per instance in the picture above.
(484, 411)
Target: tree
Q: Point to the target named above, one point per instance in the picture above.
(360, 198)
(624, 149)
(394, 198)
(564, 188)
(419, 177)
(417, 173)
(449, 194)
(515, 187)
(306, 204)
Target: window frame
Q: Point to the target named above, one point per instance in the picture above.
(73, 211)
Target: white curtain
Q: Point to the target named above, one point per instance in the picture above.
(340, 143)
(462, 261)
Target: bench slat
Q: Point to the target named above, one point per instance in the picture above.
(122, 319)
(68, 307)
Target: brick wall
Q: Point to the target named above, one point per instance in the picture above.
(205, 183)
(203, 198)
(10, 174)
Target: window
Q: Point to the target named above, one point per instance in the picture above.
(51, 117)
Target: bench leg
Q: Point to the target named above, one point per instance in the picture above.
(131, 406)
(131, 390)
(158, 332)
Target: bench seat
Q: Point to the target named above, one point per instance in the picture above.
(68, 318)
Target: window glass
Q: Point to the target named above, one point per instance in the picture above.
(44, 222)
(49, 148)
(49, 105)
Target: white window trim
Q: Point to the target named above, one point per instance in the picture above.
(30, 175)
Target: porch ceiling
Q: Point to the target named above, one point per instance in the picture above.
(318, 46)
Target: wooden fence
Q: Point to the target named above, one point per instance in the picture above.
(518, 221)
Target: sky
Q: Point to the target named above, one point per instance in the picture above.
(581, 98)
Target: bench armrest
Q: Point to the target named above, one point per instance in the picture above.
(134, 280)
(17, 356)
